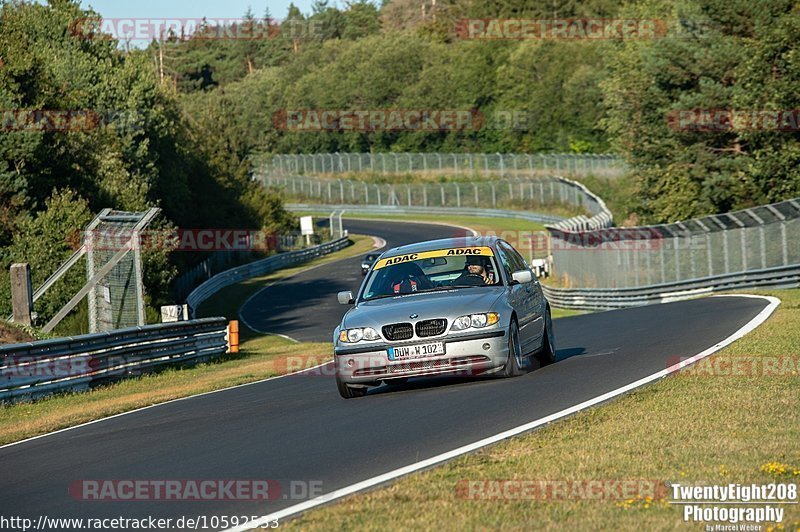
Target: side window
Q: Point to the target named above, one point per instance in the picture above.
(515, 261)
(504, 261)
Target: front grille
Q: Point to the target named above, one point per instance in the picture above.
(431, 327)
(398, 331)
(418, 366)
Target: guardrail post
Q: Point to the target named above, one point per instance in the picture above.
(21, 293)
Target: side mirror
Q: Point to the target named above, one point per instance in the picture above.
(345, 298)
(522, 276)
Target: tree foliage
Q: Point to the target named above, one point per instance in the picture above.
(139, 149)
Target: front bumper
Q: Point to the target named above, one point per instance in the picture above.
(465, 354)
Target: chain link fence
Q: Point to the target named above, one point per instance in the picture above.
(743, 241)
(530, 193)
(484, 165)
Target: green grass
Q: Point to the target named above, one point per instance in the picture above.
(688, 428)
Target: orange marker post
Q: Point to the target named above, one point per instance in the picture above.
(233, 336)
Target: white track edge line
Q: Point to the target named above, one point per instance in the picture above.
(760, 318)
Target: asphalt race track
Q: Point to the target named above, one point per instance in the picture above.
(297, 428)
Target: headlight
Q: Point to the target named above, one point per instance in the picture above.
(351, 336)
(477, 321)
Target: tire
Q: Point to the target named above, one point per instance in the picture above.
(349, 392)
(512, 367)
(547, 353)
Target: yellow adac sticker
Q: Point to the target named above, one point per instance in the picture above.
(451, 252)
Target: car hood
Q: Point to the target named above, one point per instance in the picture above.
(448, 304)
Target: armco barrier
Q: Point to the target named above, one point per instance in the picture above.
(608, 299)
(260, 267)
(34, 369)
(480, 196)
(401, 209)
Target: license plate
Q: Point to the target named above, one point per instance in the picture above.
(416, 351)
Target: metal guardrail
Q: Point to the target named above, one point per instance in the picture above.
(454, 197)
(401, 209)
(260, 267)
(608, 299)
(34, 369)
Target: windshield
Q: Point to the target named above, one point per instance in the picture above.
(429, 271)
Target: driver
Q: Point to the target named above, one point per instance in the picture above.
(476, 273)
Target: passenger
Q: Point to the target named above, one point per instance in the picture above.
(409, 278)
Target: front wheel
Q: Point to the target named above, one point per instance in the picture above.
(513, 366)
(350, 392)
(547, 353)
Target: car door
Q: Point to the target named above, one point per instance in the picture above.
(530, 302)
(517, 295)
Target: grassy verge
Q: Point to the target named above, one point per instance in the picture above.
(260, 357)
(694, 429)
(12, 334)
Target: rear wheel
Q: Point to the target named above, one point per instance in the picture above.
(350, 392)
(513, 366)
(547, 353)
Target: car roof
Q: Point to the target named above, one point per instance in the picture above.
(443, 243)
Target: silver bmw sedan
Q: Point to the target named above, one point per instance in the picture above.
(466, 306)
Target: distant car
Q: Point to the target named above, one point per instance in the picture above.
(368, 261)
(540, 268)
(469, 306)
